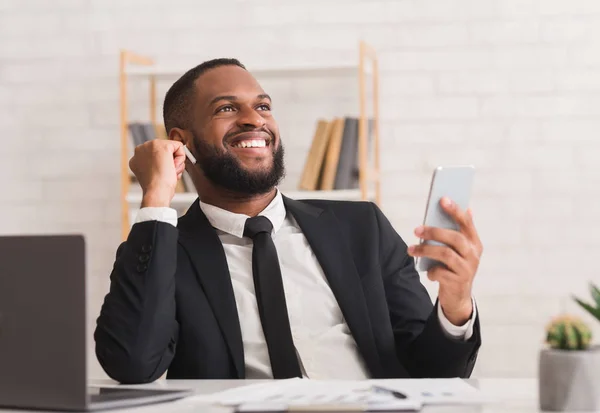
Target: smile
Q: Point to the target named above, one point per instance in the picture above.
(250, 143)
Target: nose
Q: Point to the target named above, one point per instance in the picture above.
(250, 119)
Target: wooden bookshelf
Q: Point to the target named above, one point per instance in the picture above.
(135, 67)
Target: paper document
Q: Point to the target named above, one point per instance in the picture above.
(436, 391)
(313, 395)
(349, 395)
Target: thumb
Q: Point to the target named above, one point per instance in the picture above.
(179, 154)
(175, 146)
(179, 165)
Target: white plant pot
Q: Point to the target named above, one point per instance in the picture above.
(569, 380)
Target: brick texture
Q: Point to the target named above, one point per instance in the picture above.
(511, 86)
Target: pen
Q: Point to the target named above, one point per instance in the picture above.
(189, 155)
(396, 394)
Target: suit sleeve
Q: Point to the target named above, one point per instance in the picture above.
(136, 331)
(422, 345)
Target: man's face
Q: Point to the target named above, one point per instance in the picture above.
(235, 136)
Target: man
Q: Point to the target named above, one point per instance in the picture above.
(251, 284)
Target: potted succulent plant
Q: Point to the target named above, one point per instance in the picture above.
(569, 370)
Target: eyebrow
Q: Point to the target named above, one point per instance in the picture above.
(234, 98)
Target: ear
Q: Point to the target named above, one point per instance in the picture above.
(179, 135)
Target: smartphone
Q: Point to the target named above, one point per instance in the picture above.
(454, 182)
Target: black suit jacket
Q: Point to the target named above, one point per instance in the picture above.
(171, 303)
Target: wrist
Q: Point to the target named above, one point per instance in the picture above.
(459, 314)
(156, 199)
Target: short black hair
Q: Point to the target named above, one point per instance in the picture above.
(179, 98)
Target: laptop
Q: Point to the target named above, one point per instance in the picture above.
(43, 348)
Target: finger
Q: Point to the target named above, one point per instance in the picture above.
(478, 243)
(454, 239)
(461, 217)
(176, 148)
(179, 158)
(179, 152)
(179, 164)
(179, 169)
(443, 254)
(174, 145)
(440, 274)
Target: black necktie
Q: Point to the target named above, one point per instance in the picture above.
(270, 297)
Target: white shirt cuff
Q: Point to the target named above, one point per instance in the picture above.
(463, 332)
(162, 214)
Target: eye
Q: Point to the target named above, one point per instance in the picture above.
(264, 106)
(226, 108)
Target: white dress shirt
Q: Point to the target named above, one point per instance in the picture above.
(324, 344)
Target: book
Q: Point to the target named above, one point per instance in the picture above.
(346, 174)
(142, 132)
(149, 132)
(136, 130)
(333, 155)
(348, 171)
(314, 161)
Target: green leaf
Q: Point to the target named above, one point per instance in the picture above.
(595, 294)
(595, 312)
(571, 341)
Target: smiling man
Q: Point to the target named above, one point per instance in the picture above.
(252, 284)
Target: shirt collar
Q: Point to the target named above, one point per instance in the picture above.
(233, 223)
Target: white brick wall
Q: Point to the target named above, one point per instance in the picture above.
(512, 86)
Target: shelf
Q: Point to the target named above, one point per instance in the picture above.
(335, 195)
(185, 199)
(334, 69)
(364, 69)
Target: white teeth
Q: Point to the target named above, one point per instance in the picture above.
(254, 143)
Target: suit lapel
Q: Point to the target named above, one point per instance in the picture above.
(206, 253)
(321, 229)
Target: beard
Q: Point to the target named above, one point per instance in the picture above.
(222, 168)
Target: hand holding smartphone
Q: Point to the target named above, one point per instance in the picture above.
(454, 182)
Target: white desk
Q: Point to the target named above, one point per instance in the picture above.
(510, 395)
